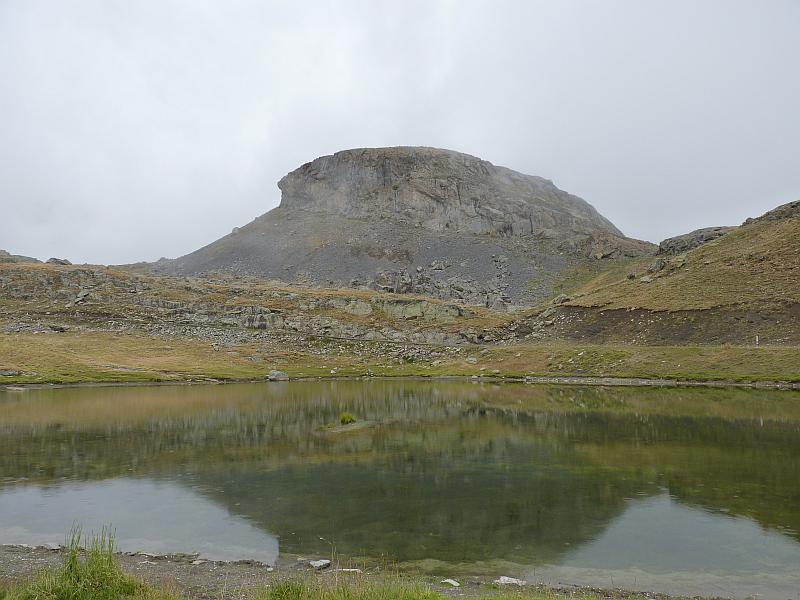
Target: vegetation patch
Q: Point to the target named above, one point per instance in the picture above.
(86, 574)
(346, 418)
(751, 266)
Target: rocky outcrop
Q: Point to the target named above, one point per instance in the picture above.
(6, 257)
(225, 311)
(257, 317)
(789, 210)
(688, 241)
(440, 190)
(421, 221)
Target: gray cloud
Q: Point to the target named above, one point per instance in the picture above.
(132, 130)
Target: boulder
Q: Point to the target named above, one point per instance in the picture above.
(690, 241)
(657, 265)
(276, 375)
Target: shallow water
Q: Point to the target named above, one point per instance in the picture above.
(681, 491)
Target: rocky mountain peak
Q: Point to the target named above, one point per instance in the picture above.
(439, 190)
(421, 221)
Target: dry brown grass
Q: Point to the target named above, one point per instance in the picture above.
(75, 357)
(753, 266)
(111, 357)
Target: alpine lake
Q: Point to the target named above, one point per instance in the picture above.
(674, 490)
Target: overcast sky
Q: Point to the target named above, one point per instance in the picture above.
(131, 130)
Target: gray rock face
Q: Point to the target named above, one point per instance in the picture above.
(785, 211)
(58, 261)
(6, 257)
(256, 317)
(688, 241)
(418, 221)
(440, 190)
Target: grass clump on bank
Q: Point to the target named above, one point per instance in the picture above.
(312, 589)
(86, 574)
(359, 588)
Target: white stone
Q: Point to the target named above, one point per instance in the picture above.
(451, 582)
(503, 580)
(323, 563)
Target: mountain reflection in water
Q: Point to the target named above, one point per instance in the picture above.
(443, 476)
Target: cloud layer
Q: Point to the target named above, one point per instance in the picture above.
(134, 130)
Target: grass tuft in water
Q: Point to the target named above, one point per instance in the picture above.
(346, 418)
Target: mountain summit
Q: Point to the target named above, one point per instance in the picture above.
(418, 220)
(439, 190)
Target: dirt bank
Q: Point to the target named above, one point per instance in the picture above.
(215, 580)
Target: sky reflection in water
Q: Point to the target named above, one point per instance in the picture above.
(683, 491)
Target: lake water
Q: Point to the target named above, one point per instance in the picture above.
(680, 491)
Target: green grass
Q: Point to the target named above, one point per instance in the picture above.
(359, 588)
(86, 574)
(107, 587)
(346, 418)
(313, 589)
(105, 581)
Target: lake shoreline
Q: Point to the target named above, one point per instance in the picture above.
(203, 578)
(566, 380)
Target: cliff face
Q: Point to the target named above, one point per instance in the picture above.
(439, 190)
(422, 221)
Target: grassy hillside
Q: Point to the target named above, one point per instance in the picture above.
(742, 289)
(753, 266)
(692, 316)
